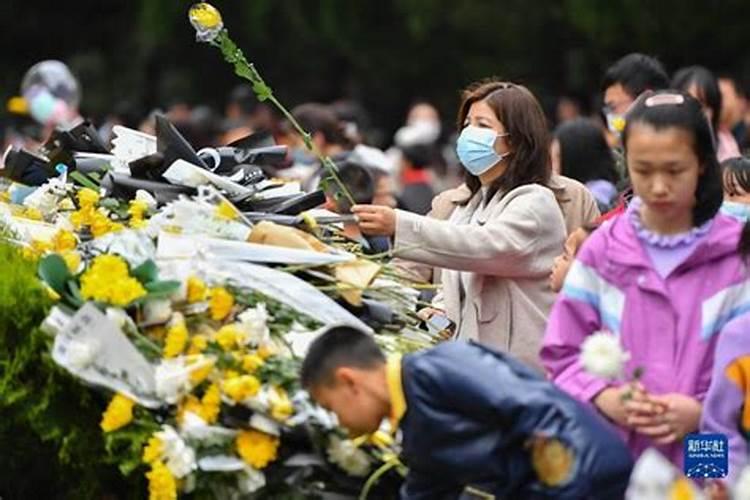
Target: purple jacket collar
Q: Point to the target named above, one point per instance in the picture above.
(625, 248)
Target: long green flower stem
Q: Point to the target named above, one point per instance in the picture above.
(244, 69)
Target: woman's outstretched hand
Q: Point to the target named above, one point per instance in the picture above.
(375, 220)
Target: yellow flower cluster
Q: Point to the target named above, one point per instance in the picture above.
(211, 404)
(137, 210)
(177, 339)
(196, 290)
(221, 303)
(257, 448)
(200, 374)
(241, 387)
(88, 215)
(161, 482)
(63, 241)
(107, 280)
(118, 414)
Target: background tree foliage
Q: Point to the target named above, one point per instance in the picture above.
(384, 53)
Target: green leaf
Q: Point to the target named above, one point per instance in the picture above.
(83, 180)
(146, 272)
(157, 289)
(74, 296)
(54, 272)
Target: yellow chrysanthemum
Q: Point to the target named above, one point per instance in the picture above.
(251, 362)
(177, 339)
(196, 290)
(64, 240)
(257, 448)
(281, 405)
(127, 291)
(228, 337)
(211, 404)
(205, 16)
(101, 225)
(200, 374)
(241, 388)
(87, 198)
(118, 414)
(137, 210)
(618, 123)
(266, 351)
(72, 260)
(226, 211)
(161, 482)
(198, 344)
(107, 280)
(221, 303)
(153, 450)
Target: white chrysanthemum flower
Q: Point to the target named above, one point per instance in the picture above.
(742, 487)
(254, 324)
(180, 458)
(172, 379)
(602, 355)
(157, 311)
(346, 455)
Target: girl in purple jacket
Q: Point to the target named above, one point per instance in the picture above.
(665, 277)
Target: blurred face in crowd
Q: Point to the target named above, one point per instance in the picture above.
(664, 171)
(567, 109)
(734, 106)
(563, 262)
(384, 192)
(617, 99)
(423, 112)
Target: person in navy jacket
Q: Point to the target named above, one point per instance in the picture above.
(471, 419)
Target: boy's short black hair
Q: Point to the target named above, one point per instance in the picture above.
(339, 346)
(636, 73)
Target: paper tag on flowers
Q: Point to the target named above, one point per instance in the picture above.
(93, 348)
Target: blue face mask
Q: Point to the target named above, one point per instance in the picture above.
(476, 149)
(740, 211)
(42, 107)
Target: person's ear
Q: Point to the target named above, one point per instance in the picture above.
(346, 376)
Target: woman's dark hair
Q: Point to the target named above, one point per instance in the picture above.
(670, 109)
(636, 73)
(528, 135)
(314, 118)
(707, 88)
(735, 173)
(584, 153)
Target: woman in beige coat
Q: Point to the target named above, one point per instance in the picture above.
(498, 245)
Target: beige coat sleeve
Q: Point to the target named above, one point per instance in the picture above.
(506, 245)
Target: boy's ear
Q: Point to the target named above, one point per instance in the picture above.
(345, 375)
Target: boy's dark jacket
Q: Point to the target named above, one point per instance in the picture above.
(470, 414)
